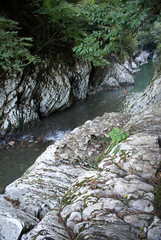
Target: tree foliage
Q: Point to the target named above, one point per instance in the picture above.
(61, 25)
(14, 50)
(114, 25)
(150, 36)
(92, 29)
(156, 33)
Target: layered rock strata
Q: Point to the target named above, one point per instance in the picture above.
(78, 189)
(28, 96)
(43, 185)
(116, 201)
(82, 188)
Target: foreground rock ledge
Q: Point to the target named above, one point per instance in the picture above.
(72, 201)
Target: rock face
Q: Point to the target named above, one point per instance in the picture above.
(116, 75)
(116, 201)
(41, 188)
(27, 97)
(111, 77)
(150, 95)
(142, 58)
(13, 223)
(83, 187)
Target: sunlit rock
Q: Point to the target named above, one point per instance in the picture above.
(154, 230)
(142, 58)
(50, 227)
(27, 97)
(13, 221)
(71, 191)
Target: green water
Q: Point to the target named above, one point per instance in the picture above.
(15, 161)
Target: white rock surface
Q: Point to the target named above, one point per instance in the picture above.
(24, 98)
(114, 200)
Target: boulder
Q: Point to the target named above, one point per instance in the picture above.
(13, 221)
(142, 58)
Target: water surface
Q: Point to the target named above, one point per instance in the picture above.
(15, 161)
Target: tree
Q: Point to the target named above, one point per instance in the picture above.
(60, 26)
(54, 25)
(114, 25)
(51, 26)
(93, 29)
(156, 33)
(14, 50)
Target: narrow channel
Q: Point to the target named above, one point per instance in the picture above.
(16, 160)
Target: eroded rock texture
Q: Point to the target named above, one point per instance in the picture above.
(41, 188)
(27, 97)
(30, 95)
(82, 188)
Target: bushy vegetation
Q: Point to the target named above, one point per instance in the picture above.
(14, 50)
(150, 36)
(156, 33)
(92, 29)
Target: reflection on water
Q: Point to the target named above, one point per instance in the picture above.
(15, 161)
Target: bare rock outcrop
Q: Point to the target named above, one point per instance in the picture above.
(35, 93)
(85, 187)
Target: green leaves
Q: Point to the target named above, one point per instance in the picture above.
(111, 29)
(117, 135)
(90, 48)
(94, 29)
(61, 27)
(14, 51)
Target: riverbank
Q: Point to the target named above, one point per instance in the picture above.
(65, 197)
(28, 145)
(36, 93)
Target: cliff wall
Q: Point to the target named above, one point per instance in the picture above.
(38, 92)
(81, 188)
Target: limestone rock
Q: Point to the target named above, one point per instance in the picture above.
(154, 230)
(124, 78)
(112, 201)
(50, 227)
(142, 58)
(110, 83)
(124, 187)
(27, 97)
(111, 77)
(43, 185)
(13, 222)
(152, 94)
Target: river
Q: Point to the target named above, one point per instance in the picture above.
(16, 160)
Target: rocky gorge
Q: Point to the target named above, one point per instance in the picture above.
(82, 188)
(35, 93)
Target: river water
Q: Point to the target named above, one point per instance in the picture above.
(16, 160)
